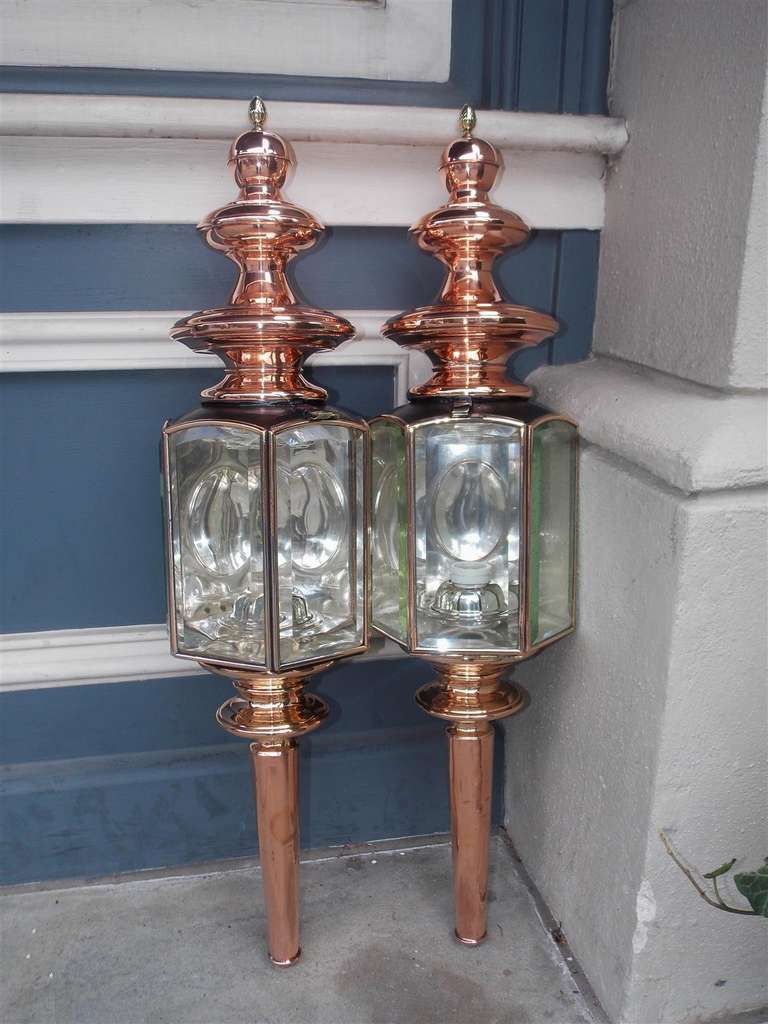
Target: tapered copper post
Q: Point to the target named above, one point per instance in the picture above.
(275, 767)
(471, 695)
(471, 776)
(273, 710)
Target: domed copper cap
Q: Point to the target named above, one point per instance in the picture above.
(263, 335)
(470, 333)
(261, 159)
(470, 163)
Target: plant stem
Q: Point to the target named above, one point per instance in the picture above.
(718, 903)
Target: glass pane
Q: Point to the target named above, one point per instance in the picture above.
(552, 528)
(467, 523)
(319, 502)
(217, 547)
(389, 539)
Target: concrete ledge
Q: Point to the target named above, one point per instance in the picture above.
(691, 437)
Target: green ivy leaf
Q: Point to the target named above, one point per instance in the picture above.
(753, 885)
(722, 870)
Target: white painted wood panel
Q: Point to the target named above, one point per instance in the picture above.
(401, 39)
(138, 340)
(118, 180)
(124, 159)
(113, 654)
(70, 657)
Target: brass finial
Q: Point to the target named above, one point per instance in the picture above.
(257, 112)
(467, 119)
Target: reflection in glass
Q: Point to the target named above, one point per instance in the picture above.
(218, 520)
(319, 540)
(467, 479)
(553, 512)
(469, 503)
(389, 551)
(217, 546)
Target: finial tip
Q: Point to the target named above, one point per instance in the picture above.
(257, 112)
(467, 119)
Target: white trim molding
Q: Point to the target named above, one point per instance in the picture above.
(342, 38)
(114, 654)
(44, 342)
(155, 160)
(158, 117)
(75, 657)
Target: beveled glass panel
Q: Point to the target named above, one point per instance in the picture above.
(467, 478)
(319, 541)
(552, 529)
(389, 534)
(217, 543)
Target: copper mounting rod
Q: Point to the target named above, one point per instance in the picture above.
(471, 775)
(273, 710)
(471, 696)
(275, 767)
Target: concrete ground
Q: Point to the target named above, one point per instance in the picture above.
(171, 948)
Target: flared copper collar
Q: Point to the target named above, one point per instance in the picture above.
(470, 332)
(263, 335)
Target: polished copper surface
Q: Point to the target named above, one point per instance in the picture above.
(263, 335)
(275, 766)
(470, 691)
(274, 711)
(470, 332)
(471, 695)
(271, 704)
(470, 749)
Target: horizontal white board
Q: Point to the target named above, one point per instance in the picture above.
(138, 340)
(119, 180)
(398, 39)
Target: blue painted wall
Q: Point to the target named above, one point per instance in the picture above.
(100, 779)
(86, 490)
(112, 777)
(166, 266)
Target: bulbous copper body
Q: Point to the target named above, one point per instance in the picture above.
(470, 332)
(263, 335)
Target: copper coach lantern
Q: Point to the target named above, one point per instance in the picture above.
(265, 491)
(474, 503)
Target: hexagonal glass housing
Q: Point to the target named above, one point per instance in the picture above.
(266, 537)
(473, 528)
